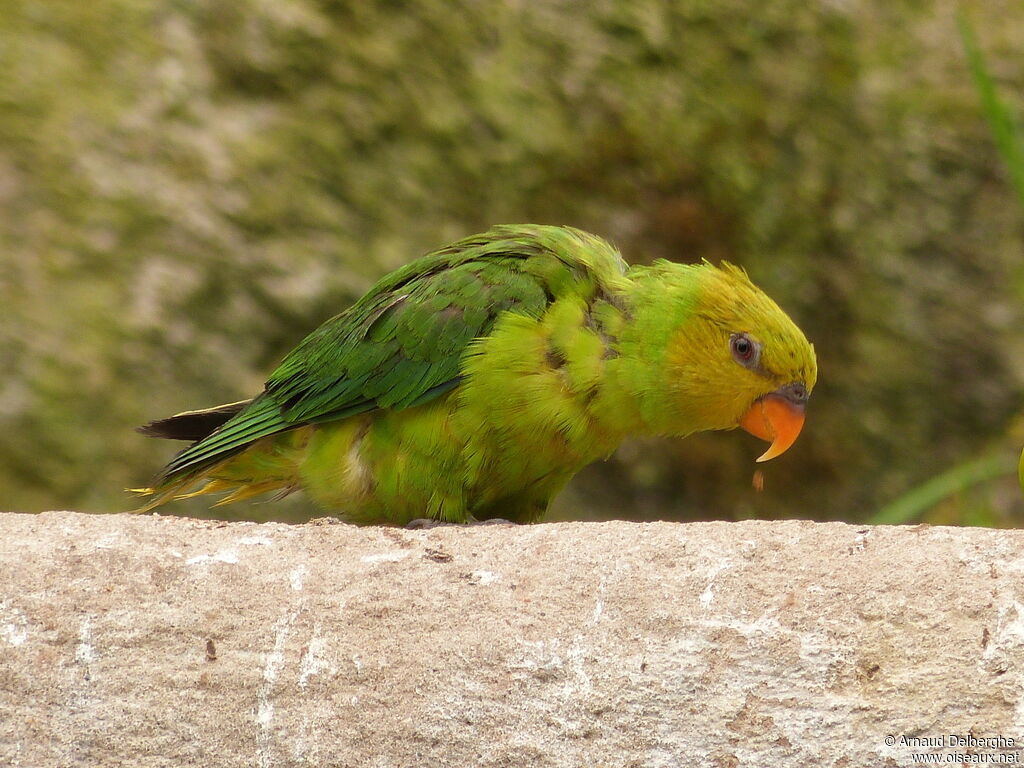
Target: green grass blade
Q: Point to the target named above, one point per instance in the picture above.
(1007, 136)
(911, 505)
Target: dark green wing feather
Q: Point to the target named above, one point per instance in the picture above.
(400, 345)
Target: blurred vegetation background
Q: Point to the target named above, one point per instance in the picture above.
(188, 187)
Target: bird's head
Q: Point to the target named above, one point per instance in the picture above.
(736, 359)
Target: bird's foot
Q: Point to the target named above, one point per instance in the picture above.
(425, 523)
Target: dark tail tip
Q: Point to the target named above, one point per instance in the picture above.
(192, 425)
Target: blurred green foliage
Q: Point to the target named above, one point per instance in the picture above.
(947, 489)
(1008, 136)
(187, 187)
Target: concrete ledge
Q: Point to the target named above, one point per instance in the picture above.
(159, 641)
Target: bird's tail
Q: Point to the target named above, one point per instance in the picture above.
(240, 490)
(193, 425)
(246, 470)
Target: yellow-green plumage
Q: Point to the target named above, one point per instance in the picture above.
(1020, 470)
(476, 381)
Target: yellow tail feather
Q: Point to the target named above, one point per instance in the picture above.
(248, 491)
(275, 457)
(213, 486)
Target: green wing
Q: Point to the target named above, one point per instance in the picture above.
(400, 345)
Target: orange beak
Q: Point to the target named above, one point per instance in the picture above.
(777, 419)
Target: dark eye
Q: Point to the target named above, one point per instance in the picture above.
(744, 349)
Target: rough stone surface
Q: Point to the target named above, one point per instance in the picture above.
(159, 641)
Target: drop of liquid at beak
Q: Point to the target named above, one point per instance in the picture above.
(757, 481)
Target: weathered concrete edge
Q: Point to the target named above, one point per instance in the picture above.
(780, 630)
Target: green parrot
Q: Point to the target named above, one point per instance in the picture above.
(476, 381)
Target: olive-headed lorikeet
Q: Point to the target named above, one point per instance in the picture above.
(476, 381)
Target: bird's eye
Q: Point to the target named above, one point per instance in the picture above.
(744, 350)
